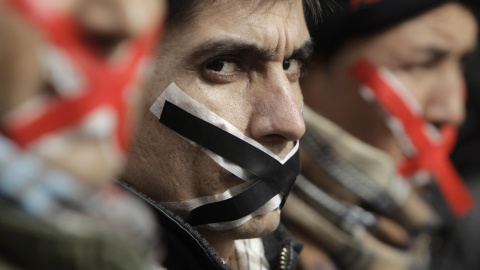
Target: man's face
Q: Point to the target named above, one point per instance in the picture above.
(242, 60)
(427, 54)
(24, 82)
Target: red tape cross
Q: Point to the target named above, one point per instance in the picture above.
(432, 157)
(105, 83)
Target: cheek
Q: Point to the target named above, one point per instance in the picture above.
(20, 69)
(232, 102)
(421, 84)
(298, 95)
(133, 103)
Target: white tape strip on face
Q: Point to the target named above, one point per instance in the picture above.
(403, 92)
(183, 208)
(176, 96)
(392, 121)
(270, 206)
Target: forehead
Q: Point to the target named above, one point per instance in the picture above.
(265, 23)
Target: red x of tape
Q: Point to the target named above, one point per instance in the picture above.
(106, 83)
(432, 155)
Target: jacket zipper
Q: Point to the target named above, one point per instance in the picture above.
(283, 258)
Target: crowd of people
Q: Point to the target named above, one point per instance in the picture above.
(233, 134)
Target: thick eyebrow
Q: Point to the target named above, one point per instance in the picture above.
(303, 53)
(433, 53)
(233, 47)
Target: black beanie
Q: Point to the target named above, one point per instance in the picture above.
(351, 18)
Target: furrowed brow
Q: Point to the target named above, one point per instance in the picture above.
(303, 53)
(231, 47)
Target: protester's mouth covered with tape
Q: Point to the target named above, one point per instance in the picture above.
(399, 84)
(246, 83)
(426, 147)
(73, 105)
(267, 177)
(421, 101)
(423, 108)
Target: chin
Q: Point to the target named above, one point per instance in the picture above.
(258, 226)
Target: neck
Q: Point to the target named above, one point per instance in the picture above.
(223, 246)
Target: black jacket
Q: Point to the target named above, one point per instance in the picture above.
(186, 249)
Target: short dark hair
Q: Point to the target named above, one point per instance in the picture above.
(181, 11)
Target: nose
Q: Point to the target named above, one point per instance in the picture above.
(446, 103)
(108, 22)
(277, 115)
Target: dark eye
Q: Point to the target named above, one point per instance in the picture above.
(293, 69)
(223, 66)
(291, 65)
(417, 66)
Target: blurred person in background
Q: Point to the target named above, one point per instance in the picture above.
(384, 97)
(70, 75)
(217, 149)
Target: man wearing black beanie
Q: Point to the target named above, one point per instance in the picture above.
(349, 19)
(385, 95)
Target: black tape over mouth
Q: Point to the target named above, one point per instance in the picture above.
(275, 178)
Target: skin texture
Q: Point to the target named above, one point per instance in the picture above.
(426, 53)
(241, 60)
(108, 23)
